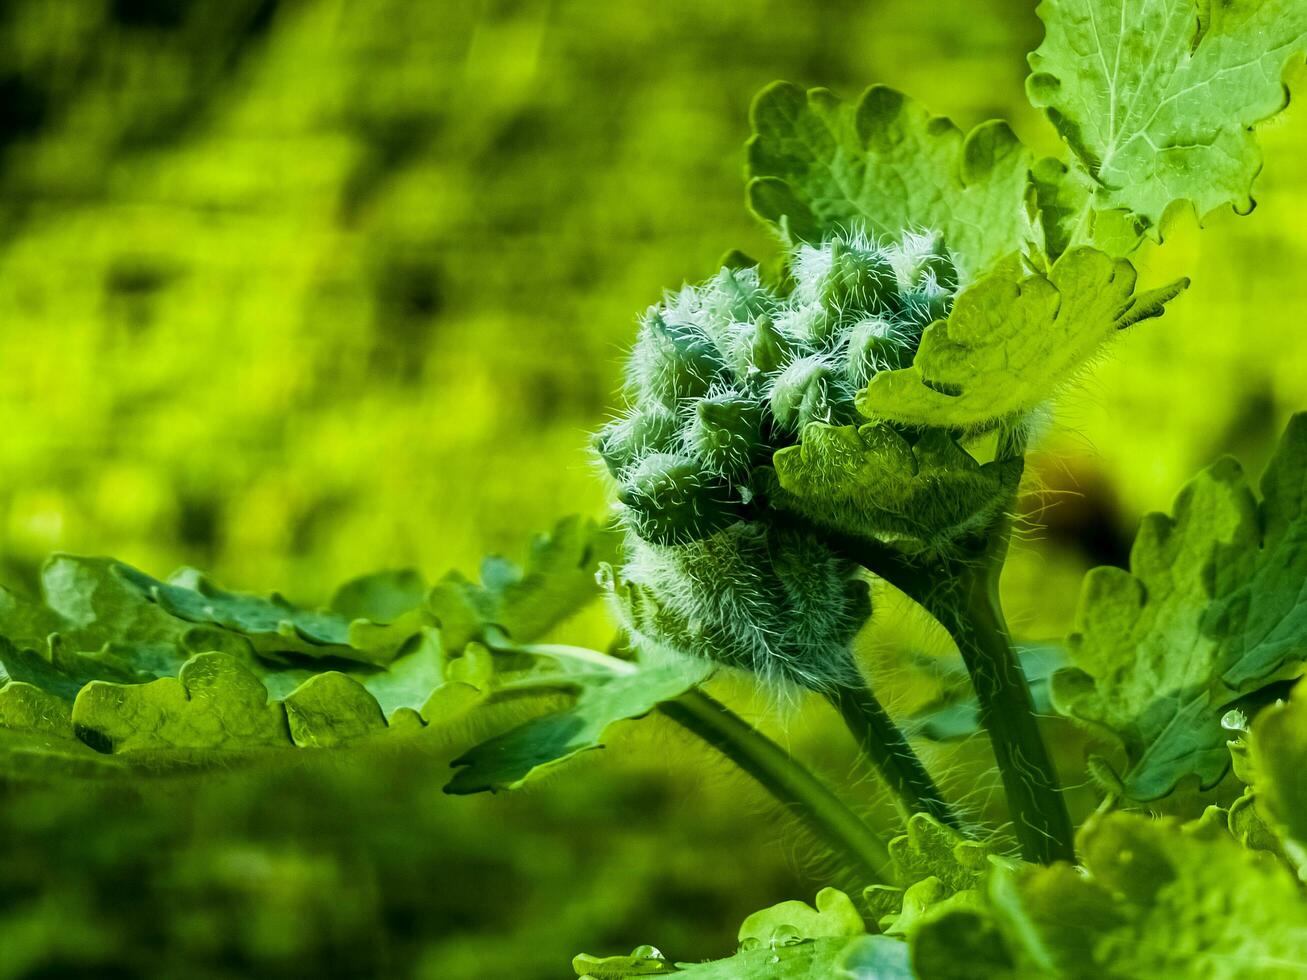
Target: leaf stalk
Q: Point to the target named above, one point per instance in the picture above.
(886, 748)
(797, 789)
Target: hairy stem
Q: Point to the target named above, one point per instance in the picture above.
(774, 768)
(886, 748)
(881, 741)
(973, 616)
(787, 780)
(962, 595)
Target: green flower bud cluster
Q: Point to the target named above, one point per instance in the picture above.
(722, 376)
(726, 373)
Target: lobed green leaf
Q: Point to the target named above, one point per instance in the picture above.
(834, 915)
(789, 941)
(114, 671)
(1011, 342)
(557, 579)
(937, 869)
(1157, 99)
(818, 166)
(1279, 755)
(90, 624)
(870, 481)
(1214, 608)
(1155, 899)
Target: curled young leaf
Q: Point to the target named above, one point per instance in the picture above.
(508, 760)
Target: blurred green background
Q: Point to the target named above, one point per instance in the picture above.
(295, 289)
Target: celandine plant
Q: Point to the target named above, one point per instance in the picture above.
(855, 411)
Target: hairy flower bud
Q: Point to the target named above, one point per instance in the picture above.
(768, 348)
(670, 498)
(726, 433)
(624, 441)
(772, 601)
(809, 390)
(850, 277)
(737, 296)
(920, 259)
(723, 376)
(672, 361)
(877, 345)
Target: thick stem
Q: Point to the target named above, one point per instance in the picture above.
(788, 781)
(1007, 711)
(886, 748)
(962, 594)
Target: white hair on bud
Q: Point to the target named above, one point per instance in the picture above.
(708, 572)
(776, 603)
(796, 400)
(910, 254)
(810, 268)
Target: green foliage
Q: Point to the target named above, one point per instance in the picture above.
(818, 167)
(1210, 611)
(90, 624)
(214, 703)
(183, 675)
(1156, 899)
(1063, 195)
(833, 916)
(946, 287)
(506, 762)
(1157, 101)
(789, 941)
(556, 580)
(814, 959)
(644, 961)
(937, 869)
(1012, 341)
(270, 623)
(1279, 752)
(929, 849)
(382, 597)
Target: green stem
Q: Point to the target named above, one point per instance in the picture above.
(881, 741)
(886, 748)
(796, 788)
(974, 618)
(789, 782)
(962, 595)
